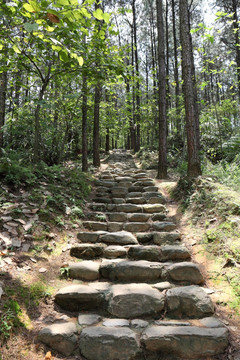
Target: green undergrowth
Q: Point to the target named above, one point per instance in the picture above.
(214, 209)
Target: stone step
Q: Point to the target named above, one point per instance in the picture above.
(150, 271)
(121, 338)
(134, 252)
(159, 238)
(185, 342)
(133, 300)
(137, 200)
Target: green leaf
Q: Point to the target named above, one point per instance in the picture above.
(1, 46)
(62, 2)
(85, 13)
(80, 60)
(106, 18)
(63, 56)
(35, 5)
(28, 7)
(56, 48)
(30, 27)
(98, 14)
(16, 49)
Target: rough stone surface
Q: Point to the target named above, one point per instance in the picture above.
(117, 217)
(118, 201)
(150, 189)
(84, 270)
(154, 208)
(115, 322)
(139, 323)
(119, 238)
(88, 237)
(163, 285)
(87, 251)
(189, 302)
(114, 251)
(138, 217)
(79, 297)
(185, 272)
(102, 343)
(95, 226)
(114, 226)
(129, 208)
(144, 238)
(186, 342)
(133, 300)
(137, 226)
(60, 337)
(211, 322)
(88, 319)
(141, 252)
(174, 252)
(158, 217)
(135, 189)
(163, 226)
(165, 237)
(139, 200)
(134, 195)
(131, 271)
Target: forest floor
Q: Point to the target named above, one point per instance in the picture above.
(31, 273)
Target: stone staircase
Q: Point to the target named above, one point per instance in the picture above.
(138, 295)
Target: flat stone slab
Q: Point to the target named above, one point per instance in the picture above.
(115, 226)
(115, 251)
(84, 270)
(135, 189)
(109, 343)
(174, 252)
(88, 319)
(131, 271)
(119, 238)
(158, 217)
(138, 217)
(186, 272)
(80, 297)
(186, 342)
(134, 300)
(115, 322)
(154, 208)
(117, 217)
(141, 252)
(166, 237)
(163, 226)
(138, 200)
(189, 302)
(88, 237)
(150, 189)
(87, 251)
(61, 337)
(136, 226)
(144, 183)
(95, 225)
(129, 208)
(211, 322)
(134, 195)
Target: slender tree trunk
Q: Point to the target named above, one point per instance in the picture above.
(138, 101)
(162, 157)
(96, 139)
(133, 125)
(190, 94)
(107, 148)
(3, 91)
(176, 75)
(167, 57)
(237, 42)
(84, 124)
(37, 126)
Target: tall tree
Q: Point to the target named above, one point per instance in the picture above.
(162, 156)
(190, 93)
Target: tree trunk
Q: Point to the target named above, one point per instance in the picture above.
(190, 93)
(168, 96)
(107, 148)
(162, 156)
(3, 91)
(96, 140)
(176, 76)
(237, 43)
(138, 101)
(84, 125)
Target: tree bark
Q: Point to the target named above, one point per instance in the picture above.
(190, 93)
(162, 156)
(3, 91)
(96, 140)
(84, 125)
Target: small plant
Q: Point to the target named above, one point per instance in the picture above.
(64, 272)
(9, 319)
